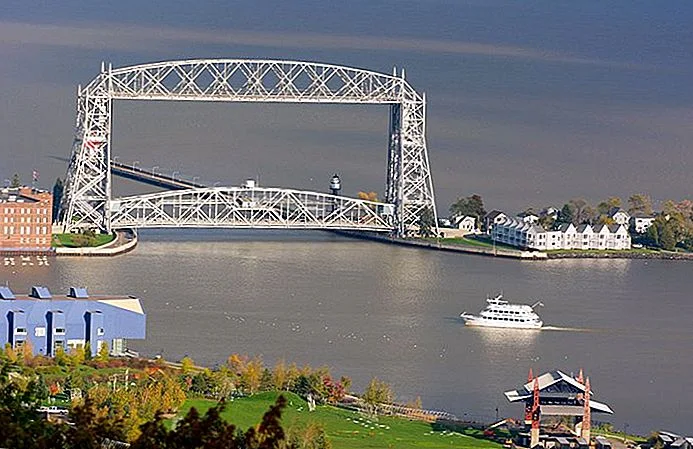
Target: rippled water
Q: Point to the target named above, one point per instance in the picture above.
(368, 309)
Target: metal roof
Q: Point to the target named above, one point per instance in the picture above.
(6, 293)
(548, 379)
(40, 292)
(78, 292)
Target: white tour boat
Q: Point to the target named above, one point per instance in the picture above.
(500, 313)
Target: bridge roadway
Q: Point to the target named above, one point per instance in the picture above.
(249, 207)
(151, 177)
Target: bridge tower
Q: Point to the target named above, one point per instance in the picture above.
(88, 202)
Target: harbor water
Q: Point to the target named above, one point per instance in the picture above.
(369, 309)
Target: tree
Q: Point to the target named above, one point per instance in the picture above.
(567, 214)
(368, 196)
(652, 234)
(346, 383)
(61, 359)
(103, 353)
(588, 215)
(546, 221)
(582, 212)
(426, 223)
(279, 375)
(472, 205)
(667, 239)
(91, 426)
(186, 365)
(57, 197)
(605, 206)
(377, 392)
(77, 356)
(639, 204)
(16, 181)
(252, 376)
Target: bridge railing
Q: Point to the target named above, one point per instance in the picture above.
(242, 207)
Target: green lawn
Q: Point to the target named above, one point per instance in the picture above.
(344, 428)
(68, 240)
(477, 242)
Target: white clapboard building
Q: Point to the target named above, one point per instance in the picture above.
(516, 232)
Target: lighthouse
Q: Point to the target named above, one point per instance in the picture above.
(335, 184)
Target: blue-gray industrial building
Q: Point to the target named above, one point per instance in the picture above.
(69, 321)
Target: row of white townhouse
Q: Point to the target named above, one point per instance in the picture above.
(515, 232)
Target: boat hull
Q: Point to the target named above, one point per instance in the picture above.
(475, 321)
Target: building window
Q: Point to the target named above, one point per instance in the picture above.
(99, 331)
(40, 332)
(19, 344)
(59, 330)
(20, 330)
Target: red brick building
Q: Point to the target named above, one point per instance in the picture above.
(25, 218)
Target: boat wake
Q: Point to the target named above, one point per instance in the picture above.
(566, 329)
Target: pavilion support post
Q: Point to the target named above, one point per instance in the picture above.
(585, 430)
(536, 416)
(529, 406)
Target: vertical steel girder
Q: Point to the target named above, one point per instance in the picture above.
(87, 199)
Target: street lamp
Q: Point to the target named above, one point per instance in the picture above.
(194, 178)
(135, 164)
(115, 159)
(154, 168)
(173, 175)
(625, 432)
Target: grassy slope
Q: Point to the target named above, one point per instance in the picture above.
(339, 425)
(67, 241)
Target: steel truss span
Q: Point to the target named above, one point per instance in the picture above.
(241, 207)
(87, 199)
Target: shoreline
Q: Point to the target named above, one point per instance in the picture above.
(517, 254)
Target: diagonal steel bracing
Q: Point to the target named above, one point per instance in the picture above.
(87, 201)
(242, 207)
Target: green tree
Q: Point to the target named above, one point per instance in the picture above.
(346, 383)
(667, 238)
(582, 211)
(60, 357)
(472, 205)
(426, 223)
(57, 197)
(652, 235)
(103, 354)
(16, 181)
(21, 426)
(605, 206)
(377, 392)
(187, 365)
(640, 204)
(567, 214)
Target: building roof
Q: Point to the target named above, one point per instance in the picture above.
(20, 195)
(6, 293)
(615, 210)
(583, 227)
(563, 227)
(493, 214)
(550, 385)
(42, 294)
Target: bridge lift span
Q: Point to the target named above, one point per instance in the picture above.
(88, 202)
